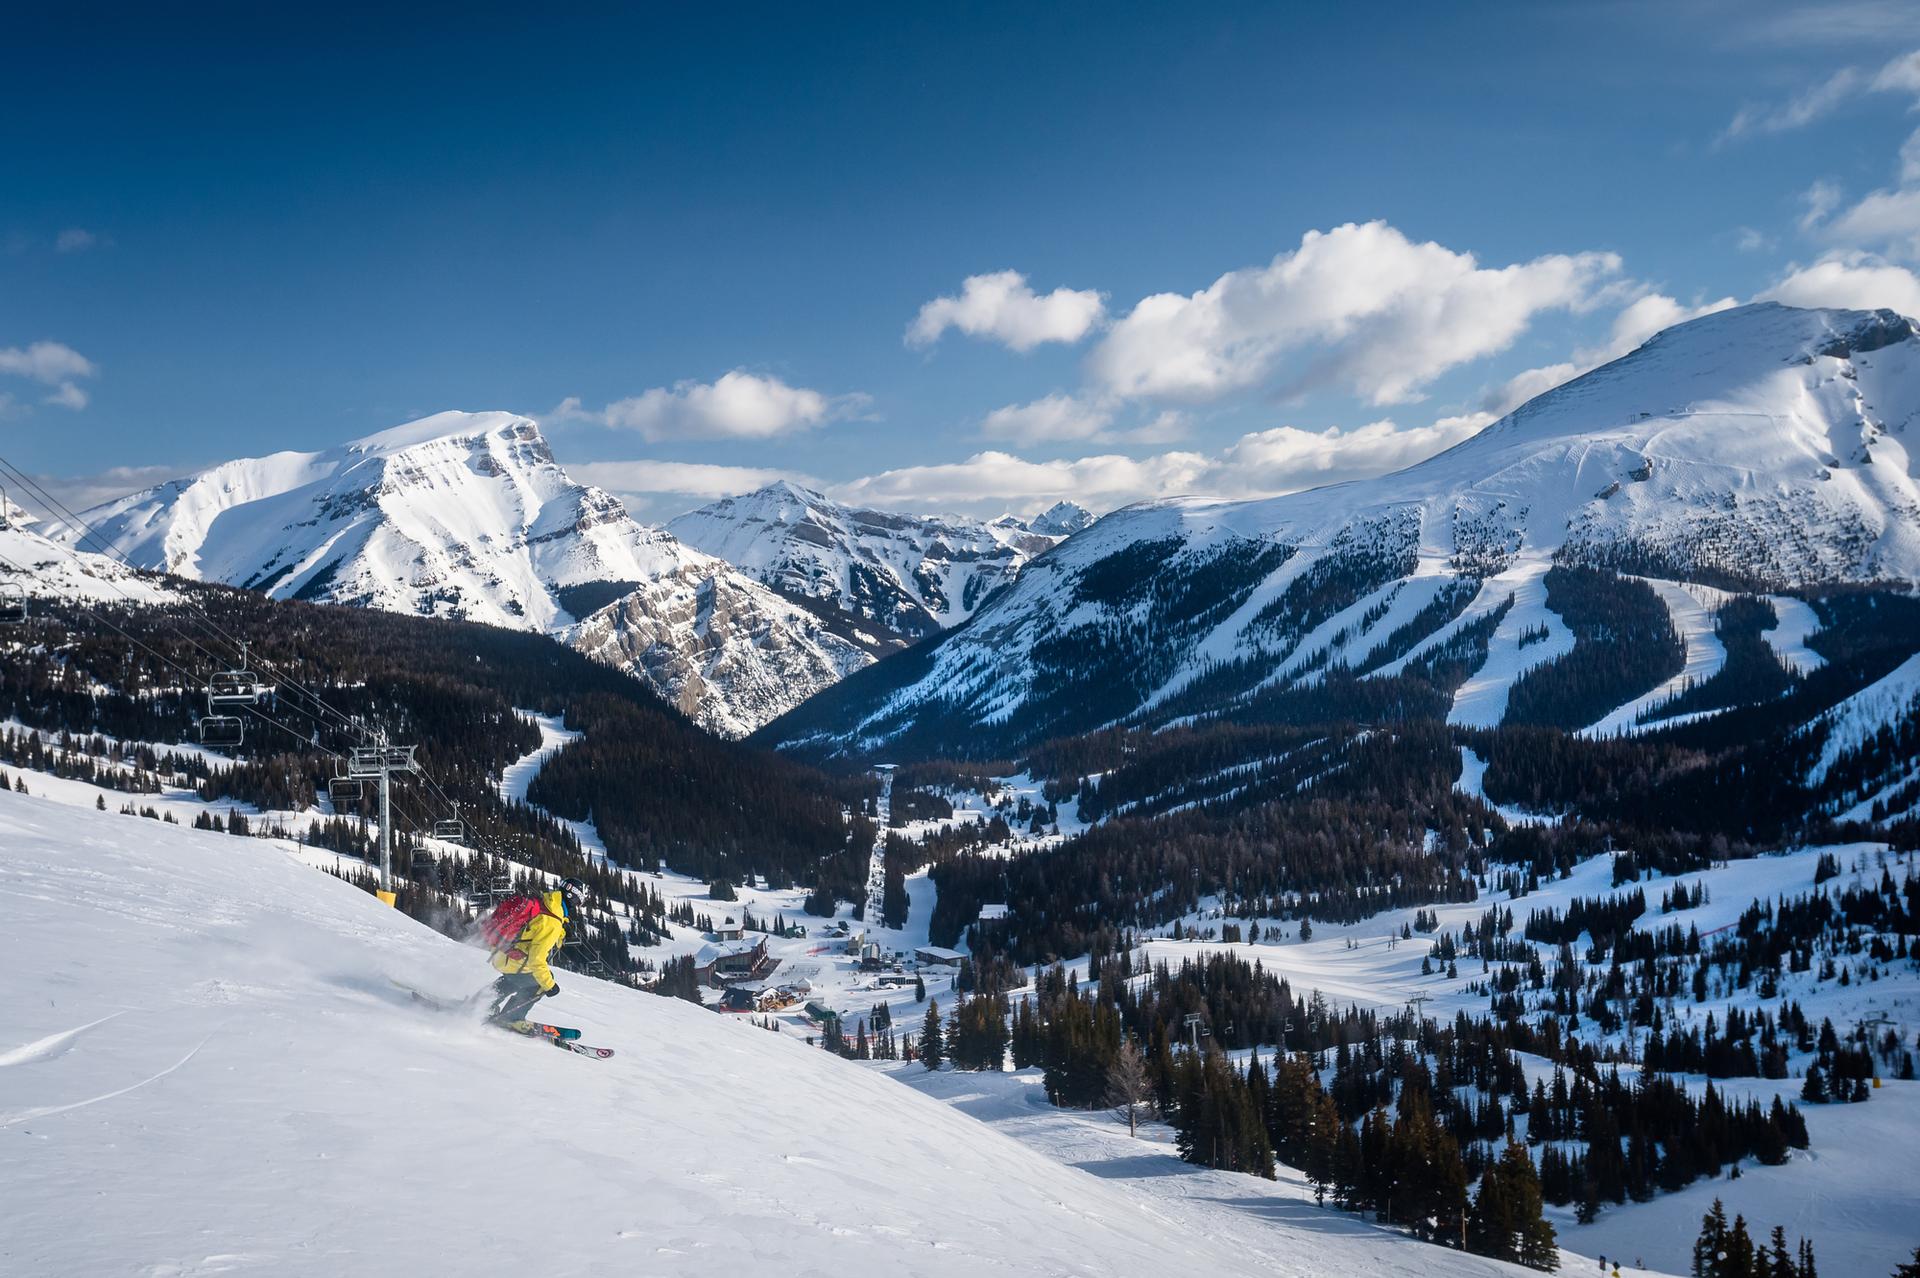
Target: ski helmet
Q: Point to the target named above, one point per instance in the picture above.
(573, 891)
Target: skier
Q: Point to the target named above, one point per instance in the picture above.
(522, 958)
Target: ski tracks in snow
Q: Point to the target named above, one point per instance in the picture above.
(52, 1045)
(17, 1117)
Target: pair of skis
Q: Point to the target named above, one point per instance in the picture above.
(558, 1035)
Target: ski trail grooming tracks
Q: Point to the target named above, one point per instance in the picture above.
(52, 1045)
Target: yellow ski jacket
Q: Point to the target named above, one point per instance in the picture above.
(528, 952)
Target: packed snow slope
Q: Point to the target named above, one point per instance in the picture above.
(908, 575)
(1768, 445)
(209, 1071)
(468, 515)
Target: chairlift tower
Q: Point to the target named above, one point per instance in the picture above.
(379, 762)
(1417, 1005)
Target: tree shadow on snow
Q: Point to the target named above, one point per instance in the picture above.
(1134, 1166)
(1301, 1215)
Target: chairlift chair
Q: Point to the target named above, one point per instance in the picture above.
(233, 688)
(222, 730)
(345, 790)
(451, 831)
(13, 604)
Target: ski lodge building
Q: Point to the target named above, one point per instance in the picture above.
(724, 963)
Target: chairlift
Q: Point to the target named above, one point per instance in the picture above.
(237, 687)
(452, 829)
(222, 730)
(345, 790)
(13, 604)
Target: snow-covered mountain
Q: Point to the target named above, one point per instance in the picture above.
(908, 575)
(1062, 519)
(1766, 446)
(468, 515)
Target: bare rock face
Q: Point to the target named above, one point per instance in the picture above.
(728, 653)
(894, 579)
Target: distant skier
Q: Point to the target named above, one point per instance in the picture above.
(523, 931)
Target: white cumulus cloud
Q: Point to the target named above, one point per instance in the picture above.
(1262, 464)
(48, 362)
(1287, 459)
(1852, 281)
(1002, 307)
(1361, 306)
(739, 405)
(1002, 479)
(1888, 220)
(68, 395)
(52, 364)
(1054, 417)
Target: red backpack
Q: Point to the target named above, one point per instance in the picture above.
(508, 920)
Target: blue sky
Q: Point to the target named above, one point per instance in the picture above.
(707, 246)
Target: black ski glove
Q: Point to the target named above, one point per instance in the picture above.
(553, 989)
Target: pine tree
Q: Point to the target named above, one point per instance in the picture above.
(1324, 1130)
(1738, 1261)
(932, 1045)
(1506, 1222)
(1780, 1260)
(1909, 1269)
(1710, 1246)
(1537, 1246)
